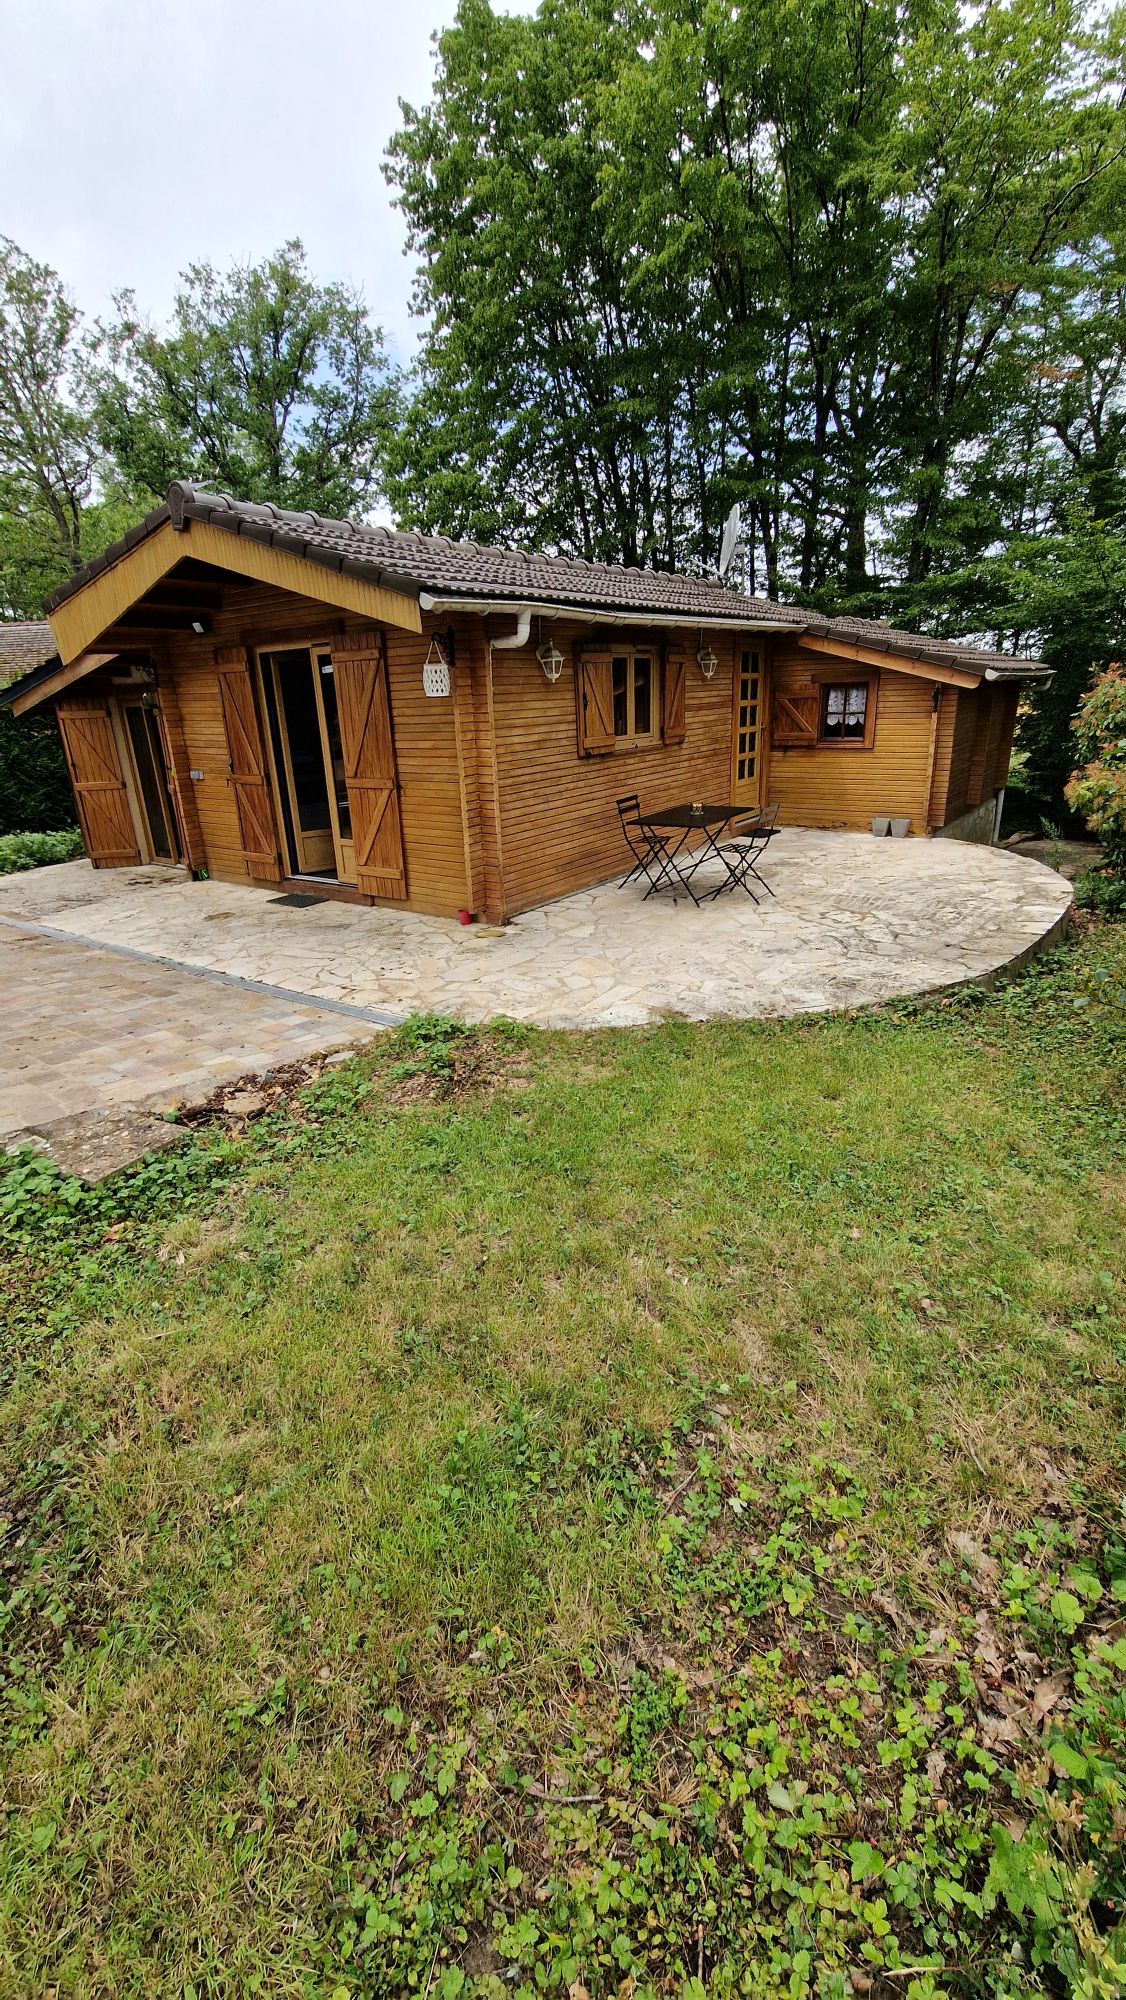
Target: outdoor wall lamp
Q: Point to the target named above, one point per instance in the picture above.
(708, 660)
(436, 670)
(550, 659)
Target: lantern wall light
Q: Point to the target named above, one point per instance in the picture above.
(708, 660)
(550, 659)
(436, 670)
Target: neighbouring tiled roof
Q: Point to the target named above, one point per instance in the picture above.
(24, 645)
(414, 563)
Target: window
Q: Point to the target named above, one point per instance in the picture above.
(747, 720)
(633, 693)
(844, 712)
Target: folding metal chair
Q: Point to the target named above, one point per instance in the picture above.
(748, 842)
(649, 849)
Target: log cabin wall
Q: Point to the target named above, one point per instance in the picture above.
(975, 747)
(847, 785)
(556, 819)
(426, 745)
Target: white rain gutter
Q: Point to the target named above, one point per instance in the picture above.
(517, 638)
(1031, 670)
(681, 620)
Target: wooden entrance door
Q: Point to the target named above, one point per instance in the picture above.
(248, 765)
(747, 743)
(299, 685)
(90, 748)
(367, 748)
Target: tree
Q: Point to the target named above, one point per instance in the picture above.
(1009, 147)
(267, 385)
(675, 253)
(547, 405)
(48, 445)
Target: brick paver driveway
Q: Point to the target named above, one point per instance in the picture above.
(89, 1029)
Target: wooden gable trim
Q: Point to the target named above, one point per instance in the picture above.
(80, 619)
(64, 678)
(899, 663)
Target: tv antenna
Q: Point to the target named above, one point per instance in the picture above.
(730, 540)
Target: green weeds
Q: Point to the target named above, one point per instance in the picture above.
(632, 1515)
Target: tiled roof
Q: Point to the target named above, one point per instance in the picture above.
(414, 564)
(23, 646)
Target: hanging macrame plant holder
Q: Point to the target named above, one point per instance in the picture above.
(435, 670)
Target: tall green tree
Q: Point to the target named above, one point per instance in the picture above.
(48, 444)
(1010, 138)
(740, 149)
(549, 400)
(266, 384)
(675, 253)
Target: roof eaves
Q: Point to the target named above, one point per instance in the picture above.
(29, 681)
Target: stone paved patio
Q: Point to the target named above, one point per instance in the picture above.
(854, 920)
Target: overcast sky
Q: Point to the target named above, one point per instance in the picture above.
(139, 135)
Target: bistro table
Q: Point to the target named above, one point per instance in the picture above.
(678, 864)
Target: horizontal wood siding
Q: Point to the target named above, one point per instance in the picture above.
(965, 729)
(842, 785)
(559, 828)
(981, 747)
(425, 739)
(429, 788)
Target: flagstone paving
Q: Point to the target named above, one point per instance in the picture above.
(854, 920)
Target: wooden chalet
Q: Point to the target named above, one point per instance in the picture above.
(277, 698)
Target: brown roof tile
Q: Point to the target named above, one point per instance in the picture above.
(24, 645)
(414, 563)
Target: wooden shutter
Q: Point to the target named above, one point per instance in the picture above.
(247, 753)
(672, 713)
(364, 706)
(90, 749)
(595, 685)
(794, 718)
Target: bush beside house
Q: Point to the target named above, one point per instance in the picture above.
(1098, 788)
(35, 794)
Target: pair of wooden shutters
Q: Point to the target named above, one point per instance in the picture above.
(368, 749)
(90, 749)
(596, 701)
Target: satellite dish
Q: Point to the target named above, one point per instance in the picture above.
(730, 540)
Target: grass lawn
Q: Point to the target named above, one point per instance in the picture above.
(631, 1514)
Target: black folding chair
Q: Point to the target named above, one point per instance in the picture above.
(747, 842)
(649, 849)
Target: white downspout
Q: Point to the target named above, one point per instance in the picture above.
(517, 638)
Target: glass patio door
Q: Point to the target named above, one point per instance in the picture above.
(299, 687)
(150, 774)
(329, 721)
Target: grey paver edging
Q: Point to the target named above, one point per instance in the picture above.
(312, 1002)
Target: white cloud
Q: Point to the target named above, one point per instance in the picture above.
(137, 136)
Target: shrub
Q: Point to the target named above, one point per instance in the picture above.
(1102, 891)
(35, 791)
(36, 850)
(1098, 790)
